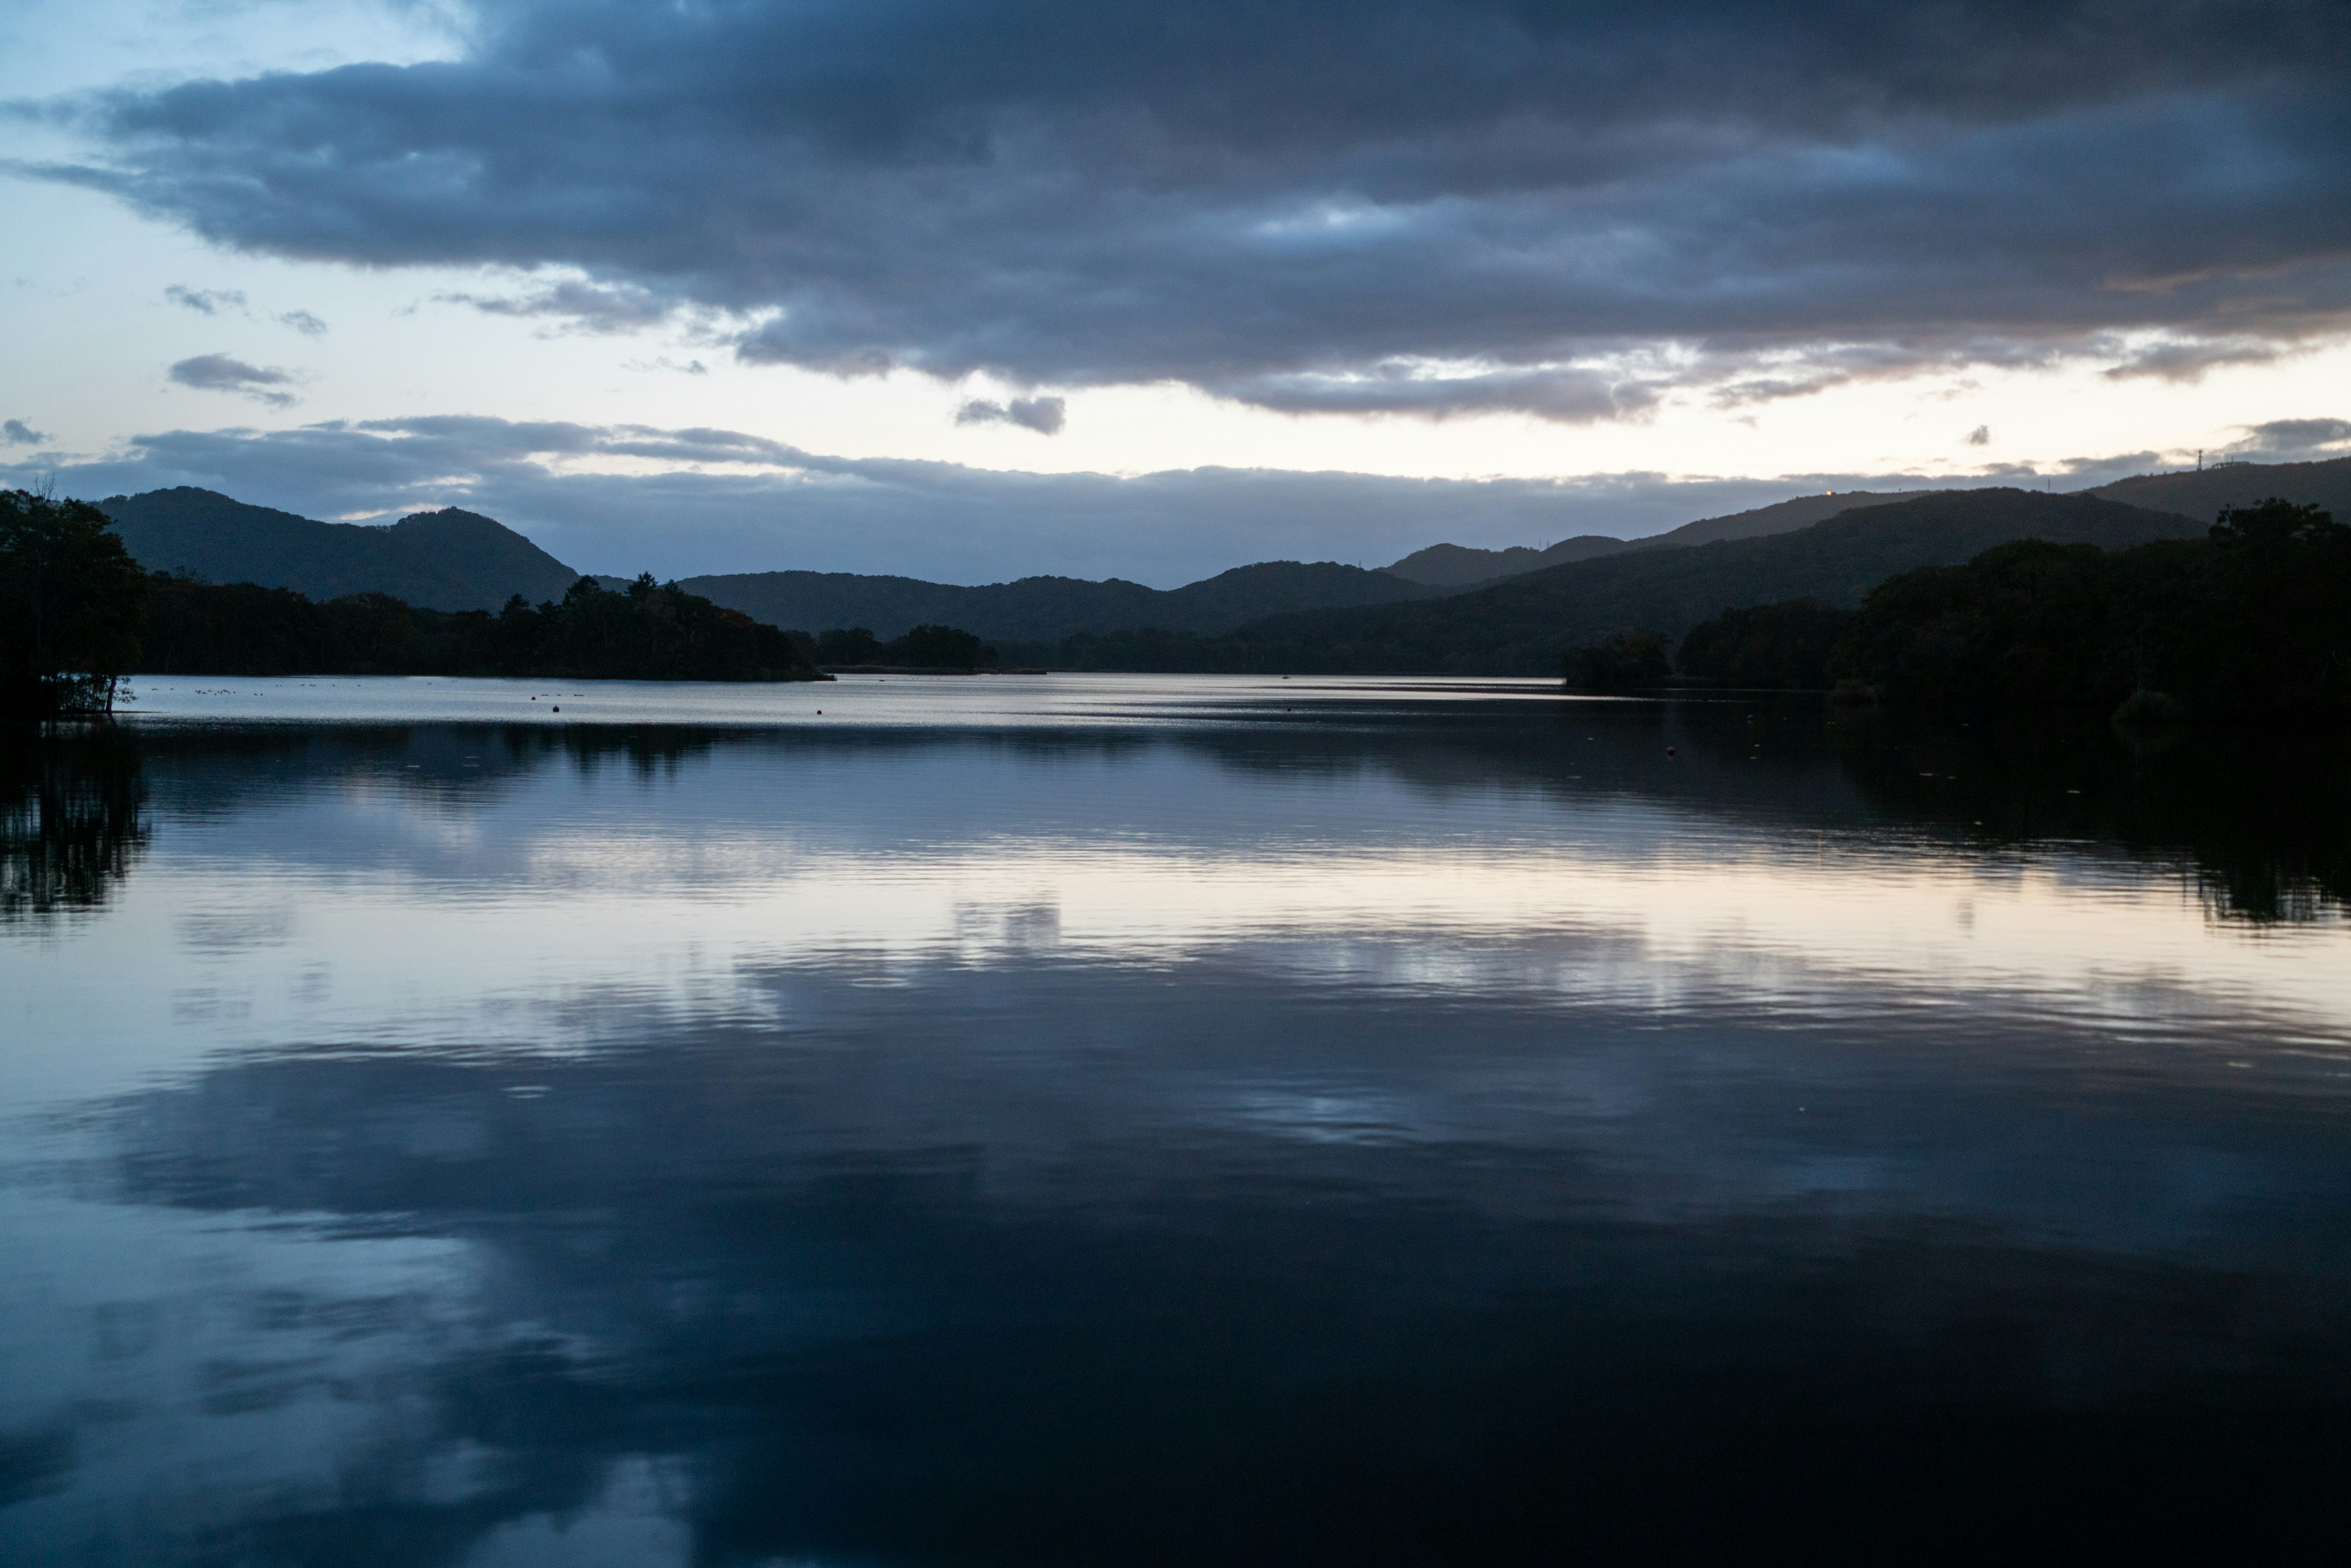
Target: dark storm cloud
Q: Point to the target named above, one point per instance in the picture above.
(1408, 208)
(219, 372)
(733, 502)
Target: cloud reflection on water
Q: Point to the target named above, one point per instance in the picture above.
(1438, 1139)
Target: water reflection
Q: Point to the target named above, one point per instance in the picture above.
(72, 818)
(1385, 1135)
(2266, 813)
(2265, 817)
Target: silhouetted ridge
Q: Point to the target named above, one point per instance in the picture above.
(1459, 566)
(449, 559)
(1463, 565)
(2201, 493)
(1521, 626)
(1048, 608)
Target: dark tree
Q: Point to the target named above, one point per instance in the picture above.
(2025, 623)
(651, 631)
(2245, 623)
(942, 648)
(1627, 661)
(72, 604)
(1772, 645)
(849, 645)
(2277, 525)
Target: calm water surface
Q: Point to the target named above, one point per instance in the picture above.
(1129, 1120)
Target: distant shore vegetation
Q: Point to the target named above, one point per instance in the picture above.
(922, 648)
(78, 614)
(646, 632)
(2250, 621)
(2245, 621)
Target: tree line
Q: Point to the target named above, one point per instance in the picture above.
(76, 613)
(2245, 621)
(2248, 620)
(925, 647)
(646, 632)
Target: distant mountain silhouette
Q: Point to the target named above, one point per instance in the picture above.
(1520, 626)
(448, 559)
(1046, 609)
(454, 560)
(1463, 565)
(1779, 517)
(1459, 566)
(2201, 493)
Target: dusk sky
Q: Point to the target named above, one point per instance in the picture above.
(973, 291)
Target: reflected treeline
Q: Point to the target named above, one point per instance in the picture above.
(2264, 820)
(73, 818)
(2266, 815)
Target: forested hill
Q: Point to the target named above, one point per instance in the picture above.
(2196, 493)
(1046, 609)
(1520, 626)
(1464, 566)
(448, 559)
(2201, 493)
(1458, 566)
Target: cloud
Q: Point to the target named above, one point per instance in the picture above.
(578, 307)
(725, 501)
(1564, 393)
(17, 433)
(1979, 436)
(1045, 415)
(1282, 209)
(2295, 437)
(218, 372)
(217, 301)
(206, 301)
(2188, 359)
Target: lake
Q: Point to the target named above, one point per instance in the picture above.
(1115, 1120)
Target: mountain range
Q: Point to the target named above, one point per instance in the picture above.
(1459, 566)
(1519, 626)
(1046, 609)
(1445, 607)
(448, 559)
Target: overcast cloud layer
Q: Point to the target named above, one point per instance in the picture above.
(1392, 208)
(727, 501)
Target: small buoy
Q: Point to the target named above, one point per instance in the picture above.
(819, 712)
(1671, 752)
(559, 707)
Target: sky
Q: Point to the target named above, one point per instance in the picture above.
(968, 291)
